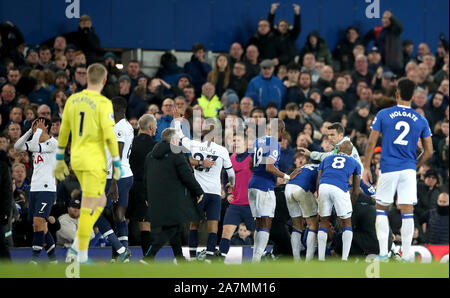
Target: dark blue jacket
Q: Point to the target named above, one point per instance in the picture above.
(136, 106)
(268, 90)
(198, 72)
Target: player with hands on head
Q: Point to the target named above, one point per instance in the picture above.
(43, 186)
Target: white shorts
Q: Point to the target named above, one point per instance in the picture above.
(404, 183)
(299, 202)
(329, 196)
(262, 203)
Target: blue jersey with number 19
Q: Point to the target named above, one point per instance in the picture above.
(401, 127)
(337, 170)
(264, 148)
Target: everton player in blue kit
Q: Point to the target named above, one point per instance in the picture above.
(301, 204)
(401, 128)
(334, 174)
(261, 196)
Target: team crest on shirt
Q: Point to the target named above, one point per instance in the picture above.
(275, 153)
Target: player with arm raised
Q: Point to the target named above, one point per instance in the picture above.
(117, 191)
(301, 203)
(332, 184)
(210, 181)
(336, 137)
(261, 196)
(400, 128)
(43, 186)
(88, 117)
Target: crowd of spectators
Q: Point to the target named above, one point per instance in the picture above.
(267, 77)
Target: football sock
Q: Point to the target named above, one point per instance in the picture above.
(347, 237)
(38, 244)
(50, 246)
(122, 233)
(322, 242)
(211, 243)
(146, 242)
(105, 228)
(193, 243)
(311, 244)
(84, 233)
(224, 246)
(407, 232)
(296, 240)
(261, 240)
(382, 229)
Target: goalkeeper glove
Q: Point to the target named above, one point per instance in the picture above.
(117, 171)
(61, 170)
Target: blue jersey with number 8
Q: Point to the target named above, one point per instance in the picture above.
(263, 148)
(401, 127)
(337, 170)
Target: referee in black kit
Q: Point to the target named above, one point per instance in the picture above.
(138, 205)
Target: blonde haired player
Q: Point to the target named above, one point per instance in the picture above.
(89, 117)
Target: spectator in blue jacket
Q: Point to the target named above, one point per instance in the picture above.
(166, 119)
(267, 86)
(197, 68)
(137, 105)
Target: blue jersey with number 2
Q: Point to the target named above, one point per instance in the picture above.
(337, 170)
(401, 127)
(264, 148)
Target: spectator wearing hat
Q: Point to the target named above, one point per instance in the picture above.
(308, 113)
(125, 87)
(69, 221)
(374, 58)
(271, 110)
(434, 109)
(343, 53)
(435, 222)
(358, 118)
(231, 100)
(267, 86)
(70, 51)
(209, 101)
(182, 82)
(197, 67)
(427, 193)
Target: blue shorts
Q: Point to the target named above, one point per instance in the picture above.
(124, 186)
(236, 214)
(41, 203)
(211, 205)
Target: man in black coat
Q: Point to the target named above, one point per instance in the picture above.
(5, 209)
(138, 205)
(172, 193)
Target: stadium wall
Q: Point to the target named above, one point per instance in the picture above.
(178, 24)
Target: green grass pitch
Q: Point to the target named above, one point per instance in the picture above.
(279, 269)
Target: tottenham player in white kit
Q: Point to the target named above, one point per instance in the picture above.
(43, 184)
(117, 191)
(400, 128)
(210, 181)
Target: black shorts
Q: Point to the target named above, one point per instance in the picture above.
(137, 205)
